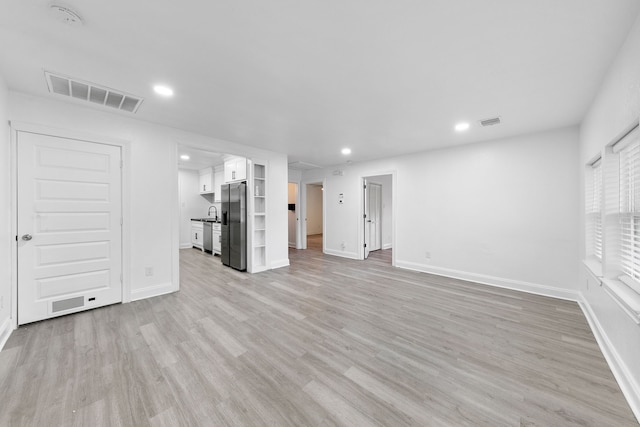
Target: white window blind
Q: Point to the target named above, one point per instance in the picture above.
(629, 156)
(593, 206)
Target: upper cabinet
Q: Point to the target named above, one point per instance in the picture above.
(235, 169)
(206, 181)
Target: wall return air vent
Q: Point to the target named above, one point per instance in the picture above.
(490, 122)
(91, 92)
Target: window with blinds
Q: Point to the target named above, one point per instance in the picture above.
(593, 199)
(628, 150)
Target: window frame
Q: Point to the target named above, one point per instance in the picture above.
(593, 209)
(622, 275)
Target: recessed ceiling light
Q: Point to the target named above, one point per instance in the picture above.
(163, 90)
(346, 151)
(185, 157)
(461, 127)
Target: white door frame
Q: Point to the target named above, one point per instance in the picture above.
(303, 212)
(361, 237)
(125, 194)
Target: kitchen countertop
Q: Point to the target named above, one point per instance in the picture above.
(206, 220)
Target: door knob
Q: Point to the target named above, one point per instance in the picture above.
(27, 237)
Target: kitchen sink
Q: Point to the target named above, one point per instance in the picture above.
(205, 219)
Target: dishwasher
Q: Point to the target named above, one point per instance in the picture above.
(206, 237)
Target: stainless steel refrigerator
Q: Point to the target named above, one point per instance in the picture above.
(234, 225)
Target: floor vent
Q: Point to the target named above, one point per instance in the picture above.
(91, 92)
(67, 304)
(490, 122)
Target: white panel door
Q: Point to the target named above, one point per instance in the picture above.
(367, 223)
(374, 216)
(69, 226)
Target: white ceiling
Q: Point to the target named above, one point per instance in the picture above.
(310, 77)
(199, 159)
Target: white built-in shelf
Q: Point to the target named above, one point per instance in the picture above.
(259, 235)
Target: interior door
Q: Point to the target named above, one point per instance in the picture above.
(69, 226)
(367, 223)
(374, 216)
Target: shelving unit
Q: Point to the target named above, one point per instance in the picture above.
(259, 238)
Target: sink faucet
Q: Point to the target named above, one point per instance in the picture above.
(209, 211)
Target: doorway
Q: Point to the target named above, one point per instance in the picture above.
(373, 217)
(313, 223)
(293, 215)
(377, 225)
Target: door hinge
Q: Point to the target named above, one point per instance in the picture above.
(121, 164)
(365, 245)
(121, 221)
(364, 216)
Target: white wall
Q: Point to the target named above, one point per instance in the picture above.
(153, 193)
(387, 212)
(501, 212)
(295, 175)
(5, 218)
(314, 209)
(192, 204)
(616, 106)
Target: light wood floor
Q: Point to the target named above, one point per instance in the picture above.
(324, 342)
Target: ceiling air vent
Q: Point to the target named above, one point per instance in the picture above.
(490, 122)
(91, 92)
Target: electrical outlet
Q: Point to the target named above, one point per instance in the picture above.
(427, 255)
(343, 245)
(148, 271)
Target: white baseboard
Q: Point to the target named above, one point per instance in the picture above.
(516, 285)
(152, 291)
(280, 263)
(629, 386)
(350, 255)
(6, 328)
(185, 245)
(292, 245)
(386, 246)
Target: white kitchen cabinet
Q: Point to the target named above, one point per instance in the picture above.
(197, 240)
(206, 181)
(218, 180)
(235, 169)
